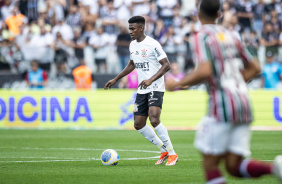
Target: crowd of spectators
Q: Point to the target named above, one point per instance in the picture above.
(62, 34)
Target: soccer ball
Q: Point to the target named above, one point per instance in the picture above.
(109, 157)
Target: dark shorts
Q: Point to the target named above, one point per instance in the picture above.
(144, 101)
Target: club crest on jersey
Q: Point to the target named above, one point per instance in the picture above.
(135, 107)
(143, 53)
(155, 86)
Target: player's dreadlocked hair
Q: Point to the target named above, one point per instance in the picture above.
(137, 19)
(210, 8)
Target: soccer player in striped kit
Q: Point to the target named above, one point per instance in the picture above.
(151, 63)
(225, 66)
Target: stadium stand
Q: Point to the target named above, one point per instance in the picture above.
(61, 33)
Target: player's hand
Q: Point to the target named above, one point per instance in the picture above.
(109, 84)
(145, 83)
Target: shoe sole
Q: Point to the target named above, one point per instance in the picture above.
(174, 163)
(163, 161)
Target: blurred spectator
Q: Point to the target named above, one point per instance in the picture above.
(275, 22)
(109, 21)
(36, 77)
(99, 43)
(166, 10)
(170, 41)
(259, 11)
(140, 7)
(122, 43)
(123, 9)
(160, 30)
(89, 31)
(15, 21)
(245, 14)
(86, 16)
(29, 8)
(252, 42)
(6, 60)
(150, 26)
(175, 75)
(64, 29)
(55, 10)
(6, 10)
(189, 64)
(74, 18)
(226, 14)
(271, 73)
(270, 39)
(60, 46)
(234, 25)
(5, 32)
(78, 43)
(44, 39)
(82, 76)
(130, 81)
(184, 28)
(153, 14)
(93, 5)
(268, 8)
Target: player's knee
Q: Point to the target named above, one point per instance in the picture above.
(138, 126)
(154, 120)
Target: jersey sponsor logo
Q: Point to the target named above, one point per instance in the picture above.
(143, 53)
(137, 53)
(220, 37)
(144, 66)
(158, 52)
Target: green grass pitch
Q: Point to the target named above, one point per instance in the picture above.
(72, 156)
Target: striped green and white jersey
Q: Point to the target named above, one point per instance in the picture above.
(228, 93)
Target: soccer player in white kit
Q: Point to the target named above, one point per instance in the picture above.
(225, 66)
(151, 63)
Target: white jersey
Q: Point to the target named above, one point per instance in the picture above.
(146, 56)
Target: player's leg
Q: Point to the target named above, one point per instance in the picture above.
(239, 147)
(211, 168)
(141, 126)
(246, 168)
(212, 140)
(154, 116)
(140, 118)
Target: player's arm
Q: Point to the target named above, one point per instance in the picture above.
(251, 64)
(165, 67)
(197, 76)
(251, 70)
(129, 68)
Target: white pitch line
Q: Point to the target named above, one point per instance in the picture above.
(45, 161)
(44, 157)
(18, 161)
(79, 149)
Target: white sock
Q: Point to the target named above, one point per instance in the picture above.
(151, 136)
(163, 134)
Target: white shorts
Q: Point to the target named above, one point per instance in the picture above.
(217, 138)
